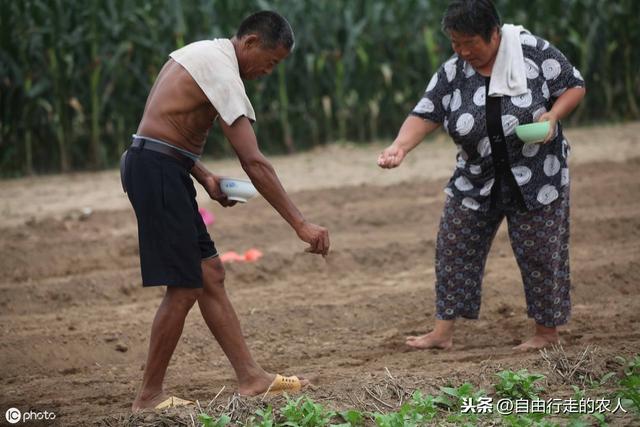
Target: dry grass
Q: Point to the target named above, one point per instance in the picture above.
(382, 396)
(580, 368)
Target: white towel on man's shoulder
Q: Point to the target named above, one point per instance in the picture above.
(214, 67)
(509, 75)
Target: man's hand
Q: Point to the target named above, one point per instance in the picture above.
(552, 118)
(391, 157)
(212, 184)
(316, 236)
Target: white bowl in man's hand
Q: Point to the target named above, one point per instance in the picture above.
(239, 190)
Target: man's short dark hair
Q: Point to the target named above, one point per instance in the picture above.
(472, 18)
(271, 27)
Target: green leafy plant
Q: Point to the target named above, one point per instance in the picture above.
(392, 419)
(303, 412)
(75, 76)
(578, 419)
(353, 418)
(453, 397)
(424, 405)
(629, 392)
(418, 411)
(602, 381)
(518, 385)
(209, 421)
(536, 419)
(265, 418)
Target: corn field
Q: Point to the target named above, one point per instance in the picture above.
(74, 76)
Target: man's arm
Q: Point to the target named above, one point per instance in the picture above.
(243, 140)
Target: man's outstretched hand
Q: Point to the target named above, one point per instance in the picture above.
(316, 236)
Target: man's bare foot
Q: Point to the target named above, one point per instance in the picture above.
(143, 402)
(430, 340)
(260, 385)
(543, 337)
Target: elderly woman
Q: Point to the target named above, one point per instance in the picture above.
(499, 77)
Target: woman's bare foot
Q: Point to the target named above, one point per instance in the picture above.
(430, 340)
(441, 337)
(543, 337)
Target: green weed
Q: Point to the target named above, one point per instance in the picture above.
(536, 419)
(265, 418)
(449, 406)
(518, 385)
(302, 412)
(629, 392)
(602, 381)
(353, 418)
(417, 411)
(578, 419)
(454, 397)
(209, 421)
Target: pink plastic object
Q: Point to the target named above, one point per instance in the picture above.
(252, 254)
(207, 216)
(231, 257)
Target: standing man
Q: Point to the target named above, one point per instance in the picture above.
(199, 84)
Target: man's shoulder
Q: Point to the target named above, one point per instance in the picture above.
(203, 47)
(216, 57)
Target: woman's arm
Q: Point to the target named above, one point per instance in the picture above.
(412, 132)
(564, 105)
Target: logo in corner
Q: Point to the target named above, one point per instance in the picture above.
(13, 415)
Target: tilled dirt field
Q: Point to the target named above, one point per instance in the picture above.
(75, 320)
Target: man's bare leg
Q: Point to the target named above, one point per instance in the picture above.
(165, 333)
(543, 337)
(223, 322)
(441, 337)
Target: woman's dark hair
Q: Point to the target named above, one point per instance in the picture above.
(471, 17)
(272, 28)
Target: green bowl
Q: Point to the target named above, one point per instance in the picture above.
(533, 132)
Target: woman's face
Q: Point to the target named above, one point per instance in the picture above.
(474, 49)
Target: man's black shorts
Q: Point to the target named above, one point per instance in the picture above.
(172, 235)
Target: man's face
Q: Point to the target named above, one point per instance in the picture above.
(258, 61)
(474, 49)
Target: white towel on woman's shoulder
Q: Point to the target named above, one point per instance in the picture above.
(214, 66)
(509, 75)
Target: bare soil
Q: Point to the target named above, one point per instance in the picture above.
(75, 320)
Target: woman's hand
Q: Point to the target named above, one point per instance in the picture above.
(391, 157)
(564, 105)
(411, 133)
(552, 118)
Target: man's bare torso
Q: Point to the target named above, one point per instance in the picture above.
(177, 111)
